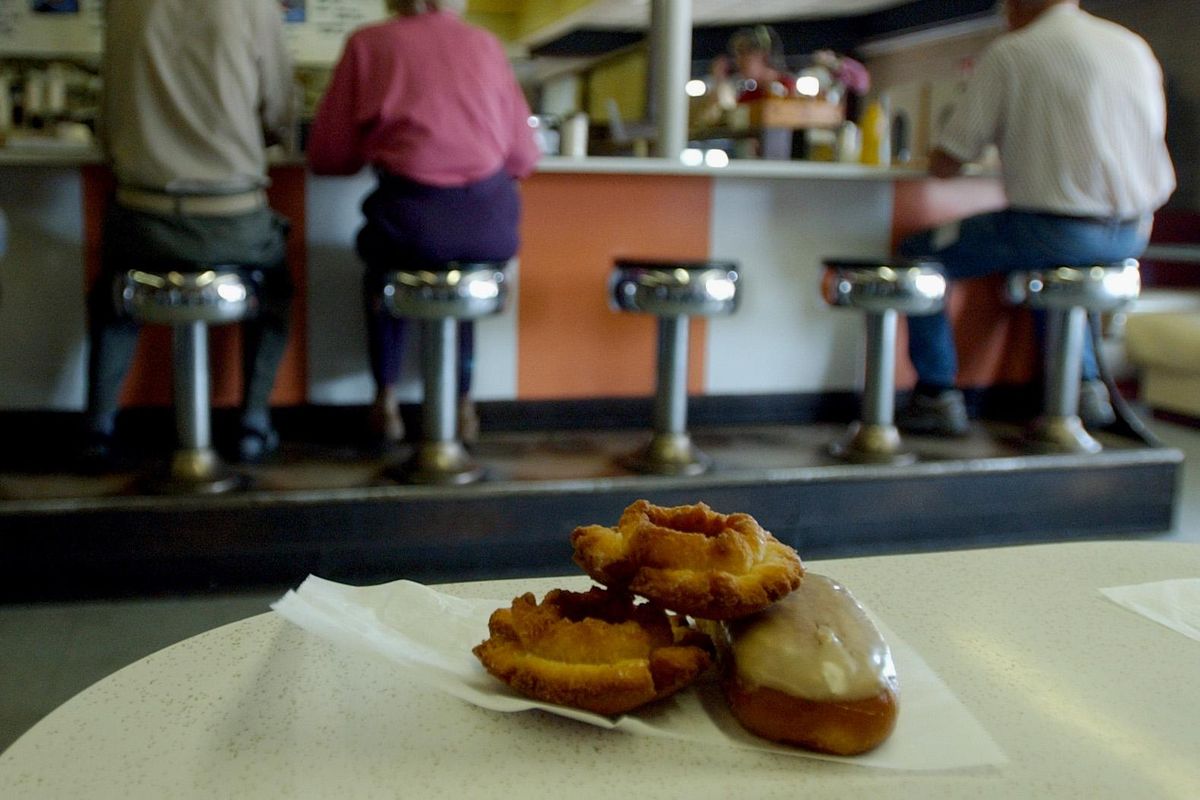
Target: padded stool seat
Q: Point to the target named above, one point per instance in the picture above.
(189, 300)
(1067, 294)
(672, 291)
(439, 299)
(882, 290)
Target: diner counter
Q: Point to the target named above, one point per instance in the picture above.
(777, 219)
(1084, 698)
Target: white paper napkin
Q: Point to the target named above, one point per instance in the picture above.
(431, 635)
(1175, 603)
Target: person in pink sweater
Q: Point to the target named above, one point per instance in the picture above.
(431, 103)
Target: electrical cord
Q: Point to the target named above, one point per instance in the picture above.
(1127, 423)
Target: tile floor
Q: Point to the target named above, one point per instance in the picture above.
(50, 652)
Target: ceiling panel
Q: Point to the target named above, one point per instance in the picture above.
(635, 13)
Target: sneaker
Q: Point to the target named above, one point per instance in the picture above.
(1095, 405)
(944, 414)
(385, 421)
(254, 445)
(98, 454)
(468, 421)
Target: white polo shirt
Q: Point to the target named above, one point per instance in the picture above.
(1075, 105)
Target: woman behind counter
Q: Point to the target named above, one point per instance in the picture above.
(432, 104)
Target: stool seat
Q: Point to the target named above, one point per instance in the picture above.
(216, 295)
(909, 287)
(881, 290)
(461, 291)
(675, 288)
(1101, 287)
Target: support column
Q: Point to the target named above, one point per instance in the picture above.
(671, 66)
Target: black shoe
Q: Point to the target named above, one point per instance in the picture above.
(255, 446)
(943, 414)
(98, 454)
(1095, 405)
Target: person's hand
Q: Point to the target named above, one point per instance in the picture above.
(944, 165)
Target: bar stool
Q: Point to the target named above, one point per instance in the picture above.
(1067, 294)
(672, 291)
(438, 300)
(189, 300)
(881, 290)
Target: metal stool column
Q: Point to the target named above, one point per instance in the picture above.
(883, 291)
(1067, 294)
(439, 299)
(673, 291)
(189, 302)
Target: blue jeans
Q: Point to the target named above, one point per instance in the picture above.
(1009, 241)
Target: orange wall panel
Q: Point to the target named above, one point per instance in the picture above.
(996, 342)
(149, 378)
(571, 344)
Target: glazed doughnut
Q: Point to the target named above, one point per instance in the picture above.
(595, 650)
(812, 671)
(690, 559)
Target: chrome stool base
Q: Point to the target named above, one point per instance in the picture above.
(668, 454)
(1067, 294)
(437, 464)
(672, 291)
(882, 291)
(1060, 435)
(864, 443)
(196, 472)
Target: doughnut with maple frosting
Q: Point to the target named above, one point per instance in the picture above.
(812, 671)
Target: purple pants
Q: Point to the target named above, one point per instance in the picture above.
(414, 226)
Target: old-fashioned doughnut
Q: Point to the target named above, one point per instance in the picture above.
(596, 650)
(690, 559)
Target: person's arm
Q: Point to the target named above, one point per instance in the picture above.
(278, 106)
(335, 141)
(977, 119)
(523, 152)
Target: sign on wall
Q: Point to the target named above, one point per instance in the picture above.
(315, 29)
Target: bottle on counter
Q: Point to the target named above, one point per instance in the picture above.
(876, 134)
(574, 135)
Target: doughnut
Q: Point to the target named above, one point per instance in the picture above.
(690, 559)
(812, 671)
(596, 650)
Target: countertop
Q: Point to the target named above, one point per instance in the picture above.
(1085, 698)
(73, 156)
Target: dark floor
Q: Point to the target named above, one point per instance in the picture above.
(328, 509)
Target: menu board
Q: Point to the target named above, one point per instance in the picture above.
(51, 27)
(315, 29)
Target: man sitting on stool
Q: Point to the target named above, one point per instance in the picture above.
(192, 94)
(1075, 105)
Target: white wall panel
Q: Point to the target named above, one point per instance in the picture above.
(43, 343)
(338, 369)
(783, 337)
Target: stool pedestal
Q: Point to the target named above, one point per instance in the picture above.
(874, 438)
(440, 457)
(1067, 294)
(438, 300)
(673, 291)
(670, 450)
(882, 291)
(189, 301)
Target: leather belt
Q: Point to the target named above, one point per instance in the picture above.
(196, 205)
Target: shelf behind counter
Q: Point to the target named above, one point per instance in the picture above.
(558, 340)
